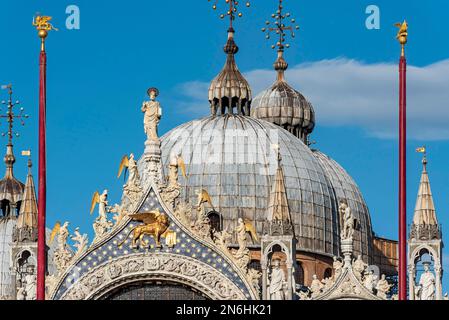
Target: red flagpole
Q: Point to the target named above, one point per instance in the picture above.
(402, 177)
(43, 26)
(42, 189)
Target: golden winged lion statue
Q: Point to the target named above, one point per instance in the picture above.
(43, 23)
(403, 32)
(155, 224)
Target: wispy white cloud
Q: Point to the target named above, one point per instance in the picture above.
(351, 93)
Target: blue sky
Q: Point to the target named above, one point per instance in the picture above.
(98, 76)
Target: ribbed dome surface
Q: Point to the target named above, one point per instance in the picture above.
(346, 189)
(282, 105)
(6, 230)
(232, 158)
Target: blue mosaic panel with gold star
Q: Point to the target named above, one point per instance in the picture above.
(121, 245)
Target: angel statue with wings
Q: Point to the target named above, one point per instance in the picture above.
(244, 227)
(129, 165)
(101, 224)
(202, 198)
(63, 254)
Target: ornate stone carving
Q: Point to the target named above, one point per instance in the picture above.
(114, 270)
(159, 265)
(370, 280)
(28, 289)
(101, 227)
(348, 221)
(153, 112)
(80, 242)
(120, 213)
(425, 232)
(383, 287)
(359, 266)
(426, 288)
(132, 192)
(316, 286)
(327, 284)
(183, 212)
(276, 281)
(63, 254)
(253, 276)
(202, 228)
(221, 239)
(349, 288)
(337, 266)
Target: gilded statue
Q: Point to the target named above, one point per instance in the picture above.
(101, 224)
(176, 163)
(153, 113)
(244, 227)
(129, 164)
(403, 32)
(62, 255)
(43, 23)
(203, 197)
(155, 225)
(102, 201)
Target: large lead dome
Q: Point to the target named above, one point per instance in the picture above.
(232, 158)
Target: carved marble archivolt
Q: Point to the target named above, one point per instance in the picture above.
(155, 266)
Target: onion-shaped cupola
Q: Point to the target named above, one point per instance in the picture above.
(11, 189)
(281, 104)
(229, 92)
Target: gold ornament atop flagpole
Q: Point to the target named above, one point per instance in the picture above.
(43, 25)
(421, 149)
(402, 35)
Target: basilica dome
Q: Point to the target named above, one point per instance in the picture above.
(231, 156)
(346, 189)
(282, 105)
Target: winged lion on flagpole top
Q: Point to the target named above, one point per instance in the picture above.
(129, 164)
(403, 32)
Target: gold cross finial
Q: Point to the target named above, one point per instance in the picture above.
(280, 28)
(10, 116)
(232, 11)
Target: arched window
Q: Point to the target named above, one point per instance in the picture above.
(5, 207)
(255, 264)
(215, 221)
(299, 273)
(327, 273)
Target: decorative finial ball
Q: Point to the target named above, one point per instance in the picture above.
(42, 34)
(402, 40)
(153, 90)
